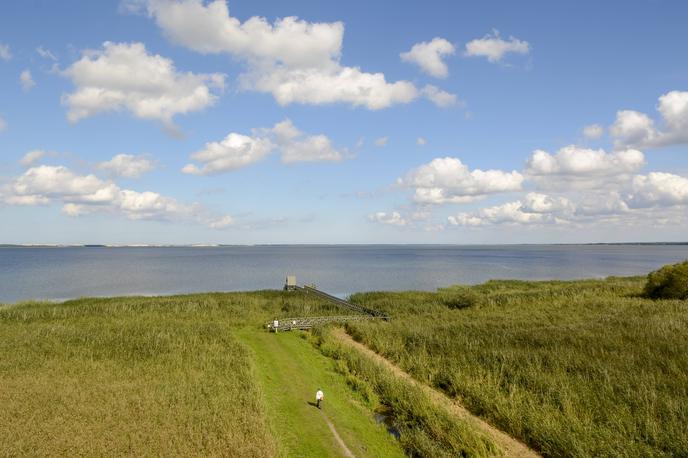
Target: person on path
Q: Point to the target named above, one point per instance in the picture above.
(319, 396)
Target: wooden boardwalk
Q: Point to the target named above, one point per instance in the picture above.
(307, 322)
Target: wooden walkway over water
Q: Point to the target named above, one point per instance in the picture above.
(362, 313)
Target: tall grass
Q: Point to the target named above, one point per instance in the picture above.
(425, 429)
(585, 368)
(136, 376)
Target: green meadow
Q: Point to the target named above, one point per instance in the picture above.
(581, 368)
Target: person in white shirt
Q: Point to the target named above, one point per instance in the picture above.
(319, 396)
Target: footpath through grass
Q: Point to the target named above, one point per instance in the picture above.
(290, 370)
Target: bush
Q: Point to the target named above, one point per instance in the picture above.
(669, 282)
(460, 298)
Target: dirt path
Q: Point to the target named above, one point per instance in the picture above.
(339, 440)
(511, 446)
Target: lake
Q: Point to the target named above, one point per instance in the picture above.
(69, 272)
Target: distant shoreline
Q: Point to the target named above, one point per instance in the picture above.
(38, 245)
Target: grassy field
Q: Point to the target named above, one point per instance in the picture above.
(144, 376)
(585, 368)
(150, 376)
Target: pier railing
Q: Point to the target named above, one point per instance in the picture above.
(287, 324)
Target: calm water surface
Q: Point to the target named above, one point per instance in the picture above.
(62, 273)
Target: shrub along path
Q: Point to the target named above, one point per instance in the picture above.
(510, 446)
(290, 371)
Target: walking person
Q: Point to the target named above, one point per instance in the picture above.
(319, 396)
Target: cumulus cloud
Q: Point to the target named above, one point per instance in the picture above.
(125, 76)
(233, 152)
(658, 189)
(593, 131)
(392, 219)
(582, 167)
(319, 86)
(5, 53)
(448, 180)
(127, 165)
(534, 208)
(494, 48)
(294, 60)
(429, 56)
(439, 97)
(83, 194)
(381, 142)
(296, 146)
(421, 141)
(636, 129)
(238, 150)
(657, 196)
(26, 80)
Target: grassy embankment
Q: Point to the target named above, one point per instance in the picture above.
(584, 368)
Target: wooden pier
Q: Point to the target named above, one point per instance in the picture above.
(287, 324)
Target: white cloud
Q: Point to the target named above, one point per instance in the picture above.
(632, 128)
(582, 167)
(429, 55)
(658, 189)
(127, 165)
(26, 80)
(124, 76)
(657, 197)
(534, 208)
(294, 60)
(593, 131)
(296, 146)
(317, 86)
(381, 142)
(420, 141)
(32, 157)
(448, 180)
(393, 218)
(233, 152)
(46, 54)
(238, 150)
(508, 213)
(5, 53)
(208, 28)
(493, 47)
(439, 97)
(83, 194)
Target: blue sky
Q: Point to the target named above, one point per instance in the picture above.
(162, 121)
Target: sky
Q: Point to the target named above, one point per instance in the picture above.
(268, 122)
